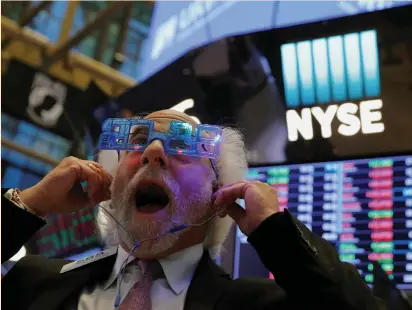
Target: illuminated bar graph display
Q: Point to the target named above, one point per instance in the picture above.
(363, 207)
(332, 69)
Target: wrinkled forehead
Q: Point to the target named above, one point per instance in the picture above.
(163, 118)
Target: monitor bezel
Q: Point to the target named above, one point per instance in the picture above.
(343, 158)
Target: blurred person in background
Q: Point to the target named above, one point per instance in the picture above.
(149, 192)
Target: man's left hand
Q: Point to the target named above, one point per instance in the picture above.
(260, 198)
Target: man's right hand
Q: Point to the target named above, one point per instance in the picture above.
(60, 191)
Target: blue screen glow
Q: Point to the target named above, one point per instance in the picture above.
(180, 26)
(332, 69)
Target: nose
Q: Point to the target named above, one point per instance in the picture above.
(155, 155)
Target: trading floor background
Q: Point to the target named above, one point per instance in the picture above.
(323, 97)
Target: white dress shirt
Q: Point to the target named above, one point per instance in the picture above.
(167, 293)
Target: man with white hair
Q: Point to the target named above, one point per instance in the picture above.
(160, 219)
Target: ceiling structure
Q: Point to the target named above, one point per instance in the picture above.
(78, 41)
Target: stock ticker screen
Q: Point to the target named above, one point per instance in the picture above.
(363, 207)
(69, 235)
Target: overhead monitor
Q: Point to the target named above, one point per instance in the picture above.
(180, 26)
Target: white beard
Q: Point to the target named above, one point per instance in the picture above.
(181, 210)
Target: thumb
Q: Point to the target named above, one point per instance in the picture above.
(237, 213)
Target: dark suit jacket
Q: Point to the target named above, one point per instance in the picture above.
(307, 269)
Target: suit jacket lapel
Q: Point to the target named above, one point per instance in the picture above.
(69, 284)
(208, 284)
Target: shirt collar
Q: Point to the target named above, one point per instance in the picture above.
(178, 267)
(121, 257)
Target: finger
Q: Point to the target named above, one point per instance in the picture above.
(93, 163)
(96, 190)
(232, 184)
(108, 179)
(68, 161)
(83, 173)
(229, 195)
(104, 193)
(236, 212)
(227, 186)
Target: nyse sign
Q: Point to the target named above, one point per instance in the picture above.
(342, 68)
(362, 118)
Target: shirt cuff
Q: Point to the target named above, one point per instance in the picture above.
(9, 196)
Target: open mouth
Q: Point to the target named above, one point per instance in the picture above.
(150, 197)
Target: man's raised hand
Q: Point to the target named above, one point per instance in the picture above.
(60, 191)
(261, 201)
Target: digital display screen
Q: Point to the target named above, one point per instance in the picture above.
(339, 96)
(363, 207)
(67, 234)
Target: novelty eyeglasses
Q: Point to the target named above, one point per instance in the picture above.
(180, 139)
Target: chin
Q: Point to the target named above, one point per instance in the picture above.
(157, 248)
(141, 228)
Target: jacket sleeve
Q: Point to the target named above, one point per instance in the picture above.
(308, 267)
(17, 227)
